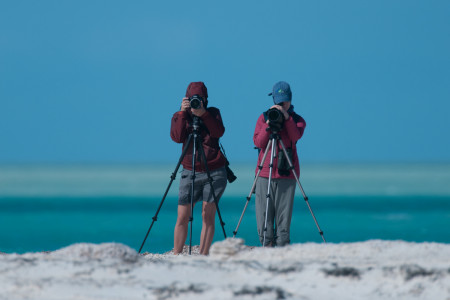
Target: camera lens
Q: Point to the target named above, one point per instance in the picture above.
(195, 101)
(274, 115)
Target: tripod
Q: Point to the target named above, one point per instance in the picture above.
(274, 138)
(196, 138)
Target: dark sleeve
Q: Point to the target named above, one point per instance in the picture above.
(213, 121)
(178, 128)
(261, 135)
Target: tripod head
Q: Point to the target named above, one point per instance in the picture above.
(274, 131)
(195, 123)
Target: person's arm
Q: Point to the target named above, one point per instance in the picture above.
(213, 121)
(261, 135)
(178, 128)
(295, 129)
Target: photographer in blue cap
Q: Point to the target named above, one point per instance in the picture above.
(289, 126)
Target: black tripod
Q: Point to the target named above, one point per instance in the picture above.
(274, 138)
(196, 137)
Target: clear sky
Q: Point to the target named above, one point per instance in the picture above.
(98, 81)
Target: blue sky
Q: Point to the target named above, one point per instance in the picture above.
(98, 81)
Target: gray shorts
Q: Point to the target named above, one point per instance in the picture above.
(202, 187)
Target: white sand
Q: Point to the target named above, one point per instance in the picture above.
(367, 270)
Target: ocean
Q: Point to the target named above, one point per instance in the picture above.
(47, 207)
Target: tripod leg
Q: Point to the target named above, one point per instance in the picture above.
(274, 143)
(260, 167)
(172, 178)
(205, 163)
(191, 219)
(301, 189)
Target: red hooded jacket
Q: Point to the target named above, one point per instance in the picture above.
(211, 130)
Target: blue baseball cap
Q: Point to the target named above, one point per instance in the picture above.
(281, 92)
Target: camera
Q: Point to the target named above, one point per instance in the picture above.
(195, 101)
(275, 116)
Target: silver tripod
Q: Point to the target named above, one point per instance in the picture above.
(274, 138)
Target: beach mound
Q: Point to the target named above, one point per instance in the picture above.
(366, 270)
(106, 251)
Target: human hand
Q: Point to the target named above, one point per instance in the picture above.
(282, 110)
(185, 104)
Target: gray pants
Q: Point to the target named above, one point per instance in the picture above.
(279, 213)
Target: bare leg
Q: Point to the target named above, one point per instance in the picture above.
(208, 215)
(181, 228)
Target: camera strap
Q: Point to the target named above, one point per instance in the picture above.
(230, 175)
(224, 154)
(265, 116)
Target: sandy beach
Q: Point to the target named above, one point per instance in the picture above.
(373, 269)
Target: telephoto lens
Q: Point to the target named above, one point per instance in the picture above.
(275, 116)
(195, 101)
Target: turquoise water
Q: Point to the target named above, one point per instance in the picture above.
(46, 208)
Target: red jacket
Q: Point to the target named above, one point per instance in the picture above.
(292, 131)
(211, 130)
